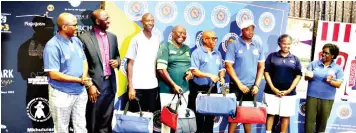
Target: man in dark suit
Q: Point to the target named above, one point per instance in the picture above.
(101, 50)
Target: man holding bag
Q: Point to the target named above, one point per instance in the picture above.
(173, 67)
(245, 65)
(207, 67)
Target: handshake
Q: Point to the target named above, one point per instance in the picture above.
(86, 82)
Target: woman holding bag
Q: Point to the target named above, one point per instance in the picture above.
(282, 73)
(324, 77)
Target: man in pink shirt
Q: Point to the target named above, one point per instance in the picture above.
(101, 50)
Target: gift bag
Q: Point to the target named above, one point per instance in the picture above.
(129, 122)
(216, 104)
(169, 116)
(186, 120)
(250, 112)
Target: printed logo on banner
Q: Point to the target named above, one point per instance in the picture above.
(123, 66)
(302, 108)
(199, 40)
(341, 59)
(257, 39)
(344, 111)
(242, 15)
(135, 9)
(74, 3)
(220, 16)
(267, 22)
(5, 27)
(38, 109)
(187, 39)
(228, 39)
(50, 7)
(7, 77)
(166, 11)
(194, 13)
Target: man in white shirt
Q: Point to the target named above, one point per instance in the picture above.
(141, 66)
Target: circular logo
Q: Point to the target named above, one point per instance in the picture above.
(75, 3)
(194, 13)
(220, 16)
(135, 9)
(344, 111)
(38, 109)
(302, 108)
(186, 42)
(266, 21)
(257, 39)
(157, 121)
(166, 11)
(228, 39)
(242, 15)
(123, 66)
(50, 7)
(199, 40)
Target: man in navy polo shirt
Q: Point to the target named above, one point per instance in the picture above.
(207, 67)
(245, 64)
(67, 67)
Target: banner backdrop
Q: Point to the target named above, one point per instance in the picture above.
(26, 28)
(270, 19)
(301, 30)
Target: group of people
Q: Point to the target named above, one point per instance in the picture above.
(82, 79)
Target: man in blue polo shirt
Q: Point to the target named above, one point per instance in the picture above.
(66, 64)
(245, 65)
(207, 67)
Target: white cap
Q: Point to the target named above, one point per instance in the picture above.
(246, 24)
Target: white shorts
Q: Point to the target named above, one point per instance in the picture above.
(282, 106)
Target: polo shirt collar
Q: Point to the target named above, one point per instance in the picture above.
(332, 64)
(279, 54)
(170, 41)
(206, 51)
(244, 42)
(63, 39)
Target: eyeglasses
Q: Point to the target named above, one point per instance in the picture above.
(326, 53)
(212, 38)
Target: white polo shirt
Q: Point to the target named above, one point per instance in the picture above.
(144, 53)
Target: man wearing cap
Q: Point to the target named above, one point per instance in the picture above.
(245, 65)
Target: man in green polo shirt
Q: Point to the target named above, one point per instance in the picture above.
(173, 67)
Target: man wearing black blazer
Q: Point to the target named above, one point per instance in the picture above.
(101, 50)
